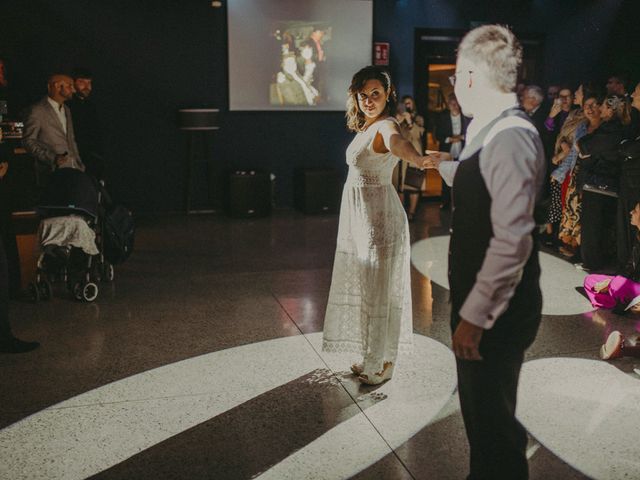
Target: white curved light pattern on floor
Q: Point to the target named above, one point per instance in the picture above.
(558, 281)
(93, 431)
(586, 412)
(422, 385)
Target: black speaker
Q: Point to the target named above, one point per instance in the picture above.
(248, 194)
(317, 190)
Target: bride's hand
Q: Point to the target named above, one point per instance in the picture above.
(433, 159)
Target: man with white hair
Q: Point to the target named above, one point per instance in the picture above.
(494, 271)
(48, 131)
(532, 103)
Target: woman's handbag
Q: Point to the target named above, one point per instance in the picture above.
(414, 177)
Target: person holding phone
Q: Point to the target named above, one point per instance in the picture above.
(559, 112)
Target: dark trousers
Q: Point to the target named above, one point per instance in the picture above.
(597, 218)
(446, 193)
(498, 442)
(12, 256)
(624, 231)
(5, 328)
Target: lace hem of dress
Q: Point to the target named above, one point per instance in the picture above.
(349, 346)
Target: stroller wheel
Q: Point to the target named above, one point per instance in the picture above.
(89, 292)
(108, 272)
(46, 290)
(34, 292)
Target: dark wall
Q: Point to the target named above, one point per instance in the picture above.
(151, 57)
(576, 32)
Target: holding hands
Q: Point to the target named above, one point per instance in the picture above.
(433, 159)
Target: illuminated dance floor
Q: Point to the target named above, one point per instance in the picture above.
(203, 360)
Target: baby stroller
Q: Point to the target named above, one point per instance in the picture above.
(70, 237)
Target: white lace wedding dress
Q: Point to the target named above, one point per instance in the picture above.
(369, 307)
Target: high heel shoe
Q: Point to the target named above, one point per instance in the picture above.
(378, 378)
(612, 348)
(617, 346)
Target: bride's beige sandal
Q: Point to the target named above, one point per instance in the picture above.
(378, 378)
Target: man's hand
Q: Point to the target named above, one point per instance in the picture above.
(456, 138)
(4, 166)
(466, 341)
(433, 159)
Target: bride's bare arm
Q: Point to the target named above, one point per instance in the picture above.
(392, 141)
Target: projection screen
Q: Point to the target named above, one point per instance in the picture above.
(296, 54)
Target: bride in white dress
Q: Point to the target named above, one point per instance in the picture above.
(369, 306)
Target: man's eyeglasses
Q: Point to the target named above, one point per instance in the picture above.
(453, 78)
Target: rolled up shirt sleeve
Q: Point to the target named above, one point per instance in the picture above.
(512, 166)
(447, 171)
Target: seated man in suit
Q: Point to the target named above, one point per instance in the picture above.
(48, 131)
(451, 128)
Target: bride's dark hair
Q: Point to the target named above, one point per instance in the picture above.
(355, 116)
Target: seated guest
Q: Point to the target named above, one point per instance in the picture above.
(48, 131)
(599, 179)
(616, 292)
(86, 123)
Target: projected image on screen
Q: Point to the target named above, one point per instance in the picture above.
(304, 64)
(292, 55)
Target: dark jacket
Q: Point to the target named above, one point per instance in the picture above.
(444, 129)
(601, 161)
(88, 133)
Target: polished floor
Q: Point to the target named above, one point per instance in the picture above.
(202, 361)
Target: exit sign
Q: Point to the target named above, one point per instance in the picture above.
(381, 53)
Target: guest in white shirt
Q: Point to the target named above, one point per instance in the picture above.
(451, 128)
